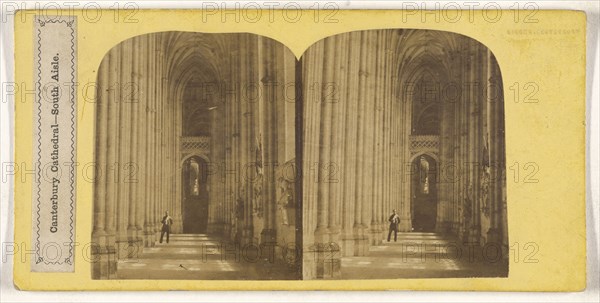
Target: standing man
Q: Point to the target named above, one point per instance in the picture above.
(394, 220)
(167, 221)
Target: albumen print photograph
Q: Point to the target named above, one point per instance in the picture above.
(399, 135)
(203, 126)
(408, 138)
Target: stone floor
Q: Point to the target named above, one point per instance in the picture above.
(422, 255)
(201, 257)
(204, 257)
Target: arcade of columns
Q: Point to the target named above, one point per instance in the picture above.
(250, 81)
(359, 147)
(357, 143)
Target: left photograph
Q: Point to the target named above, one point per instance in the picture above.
(195, 155)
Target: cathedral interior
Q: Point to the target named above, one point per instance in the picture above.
(196, 125)
(412, 121)
(273, 167)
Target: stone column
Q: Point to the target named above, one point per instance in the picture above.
(387, 173)
(405, 156)
(152, 82)
(310, 60)
(112, 150)
(123, 149)
(350, 158)
(479, 102)
(324, 147)
(378, 74)
(468, 186)
(472, 127)
(177, 133)
(100, 268)
(230, 147)
(336, 89)
(134, 226)
(249, 90)
(133, 166)
(227, 118)
(239, 140)
(496, 136)
(402, 132)
(369, 140)
(500, 158)
(160, 175)
(142, 75)
(359, 227)
(160, 82)
(326, 267)
(166, 158)
(458, 184)
(269, 59)
(156, 146)
(246, 139)
(214, 179)
(172, 163)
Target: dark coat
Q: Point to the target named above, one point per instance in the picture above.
(166, 223)
(394, 220)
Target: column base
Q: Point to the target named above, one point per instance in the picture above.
(361, 243)
(228, 232)
(139, 231)
(148, 236)
(334, 235)
(248, 233)
(455, 227)
(131, 231)
(211, 228)
(104, 264)
(128, 247)
(268, 245)
(443, 227)
(474, 234)
(405, 224)
(157, 236)
(323, 261)
(347, 245)
(308, 264)
(321, 235)
(178, 224)
(375, 234)
(176, 229)
(384, 229)
(149, 240)
(216, 228)
(156, 230)
(268, 236)
(463, 233)
(494, 236)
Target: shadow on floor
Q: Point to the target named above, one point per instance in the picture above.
(204, 257)
(425, 255)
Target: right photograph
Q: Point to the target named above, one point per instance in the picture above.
(403, 157)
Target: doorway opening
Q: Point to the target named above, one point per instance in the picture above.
(195, 195)
(424, 196)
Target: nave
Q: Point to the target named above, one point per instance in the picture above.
(416, 126)
(209, 138)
